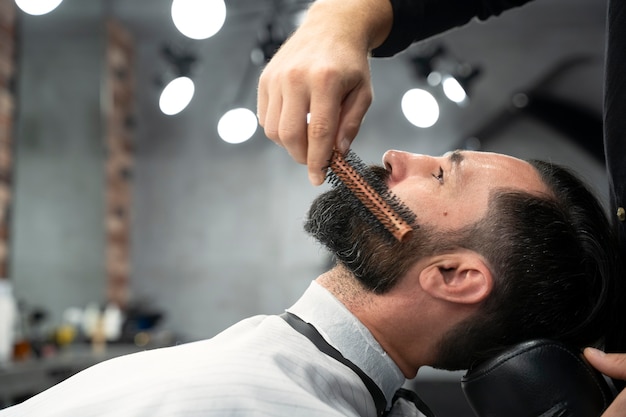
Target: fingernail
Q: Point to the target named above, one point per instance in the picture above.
(344, 145)
(595, 352)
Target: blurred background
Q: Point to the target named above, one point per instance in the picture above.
(129, 220)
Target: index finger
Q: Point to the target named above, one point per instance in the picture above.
(321, 133)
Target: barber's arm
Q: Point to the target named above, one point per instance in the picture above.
(323, 68)
(612, 365)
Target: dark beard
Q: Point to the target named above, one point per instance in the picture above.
(339, 221)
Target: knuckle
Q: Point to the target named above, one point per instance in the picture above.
(272, 133)
(319, 128)
(351, 128)
(295, 75)
(327, 76)
(289, 136)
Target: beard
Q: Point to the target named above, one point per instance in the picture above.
(339, 221)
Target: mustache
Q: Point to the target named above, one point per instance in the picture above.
(380, 172)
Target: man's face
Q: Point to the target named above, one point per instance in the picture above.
(446, 193)
(452, 191)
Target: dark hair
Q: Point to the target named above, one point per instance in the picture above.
(555, 265)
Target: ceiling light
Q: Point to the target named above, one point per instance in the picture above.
(453, 90)
(237, 125)
(176, 95)
(198, 19)
(457, 86)
(37, 7)
(420, 108)
(434, 78)
(178, 92)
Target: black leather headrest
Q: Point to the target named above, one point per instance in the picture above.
(537, 378)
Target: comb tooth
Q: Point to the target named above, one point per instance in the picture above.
(346, 171)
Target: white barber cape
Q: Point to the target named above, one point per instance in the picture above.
(258, 367)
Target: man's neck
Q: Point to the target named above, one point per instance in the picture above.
(383, 317)
(341, 283)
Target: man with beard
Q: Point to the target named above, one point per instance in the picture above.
(503, 250)
(323, 70)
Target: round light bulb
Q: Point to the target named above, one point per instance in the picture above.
(176, 95)
(453, 90)
(237, 125)
(198, 19)
(420, 108)
(37, 7)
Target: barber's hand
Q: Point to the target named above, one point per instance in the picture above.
(612, 365)
(323, 70)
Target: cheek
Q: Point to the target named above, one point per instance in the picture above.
(467, 208)
(427, 202)
(437, 206)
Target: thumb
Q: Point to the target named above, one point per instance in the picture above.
(612, 365)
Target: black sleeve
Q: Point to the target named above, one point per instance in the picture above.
(414, 20)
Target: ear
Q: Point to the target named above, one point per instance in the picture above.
(461, 277)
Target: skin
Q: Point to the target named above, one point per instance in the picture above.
(442, 289)
(328, 78)
(452, 191)
(612, 365)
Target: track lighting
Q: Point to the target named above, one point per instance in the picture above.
(178, 92)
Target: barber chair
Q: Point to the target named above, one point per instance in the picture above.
(539, 378)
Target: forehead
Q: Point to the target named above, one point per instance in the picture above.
(496, 170)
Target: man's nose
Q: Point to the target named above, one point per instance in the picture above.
(404, 164)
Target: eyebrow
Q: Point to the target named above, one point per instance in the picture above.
(455, 158)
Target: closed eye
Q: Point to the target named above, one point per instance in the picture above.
(439, 175)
